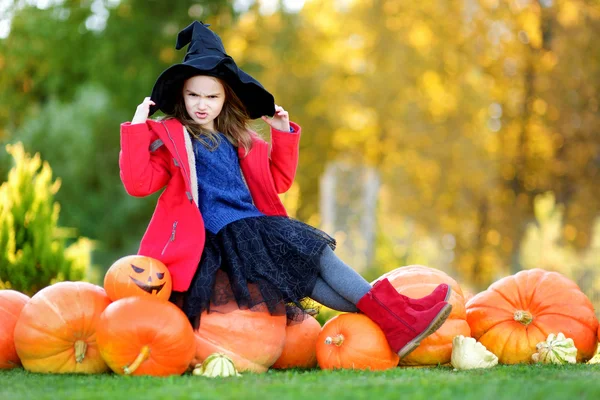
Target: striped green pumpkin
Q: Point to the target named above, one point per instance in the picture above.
(557, 349)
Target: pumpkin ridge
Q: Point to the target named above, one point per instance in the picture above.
(540, 283)
(7, 311)
(535, 289)
(534, 324)
(482, 338)
(90, 340)
(485, 306)
(44, 299)
(552, 275)
(541, 308)
(528, 334)
(508, 339)
(575, 293)
(509, 301)
(523, 289)
(493, 327)
(86, 329)
(571, 316)
(508, 319)
(93, 320)
(68, 356)
(573, 320)
(48, 331)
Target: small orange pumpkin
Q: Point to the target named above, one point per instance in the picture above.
(418, 281)
(300, 348)
(354, 341)
(143, 335)
(137, 276)
(517, 312)
(11, 304)
(56, 331)
(253, 339)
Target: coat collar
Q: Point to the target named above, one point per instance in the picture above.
(178, 142)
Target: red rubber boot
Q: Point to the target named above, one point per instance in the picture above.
(403, 326)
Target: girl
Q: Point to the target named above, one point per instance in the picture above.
(219, 225)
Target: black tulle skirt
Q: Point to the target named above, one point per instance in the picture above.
(266, 262)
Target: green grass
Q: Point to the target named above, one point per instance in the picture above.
(501, 382)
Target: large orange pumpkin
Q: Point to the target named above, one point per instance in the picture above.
(137, 276)
(417, 281)
(354, 341)
(11, 304)
(253, 339)
(300, 349)
(56, 331)
(519, 311)
(145, 336)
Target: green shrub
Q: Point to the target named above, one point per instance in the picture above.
(33, 251)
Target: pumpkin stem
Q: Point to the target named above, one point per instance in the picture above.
(523, 317)
(337, 340)
(80, 349)
(143, 356)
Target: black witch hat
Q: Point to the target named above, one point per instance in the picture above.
(206, 55)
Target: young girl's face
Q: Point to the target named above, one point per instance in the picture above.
(204, 97)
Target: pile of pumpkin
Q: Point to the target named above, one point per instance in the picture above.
(130, 327)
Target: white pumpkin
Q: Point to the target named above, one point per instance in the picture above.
(467, 353)
(557, 349)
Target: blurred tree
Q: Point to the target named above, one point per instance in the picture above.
(46, 53)
(451, 102)
(541, 101)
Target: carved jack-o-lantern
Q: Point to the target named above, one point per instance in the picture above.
(137, 276)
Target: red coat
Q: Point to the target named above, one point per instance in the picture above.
(159, 153)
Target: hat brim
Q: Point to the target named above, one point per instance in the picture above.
(257, 100)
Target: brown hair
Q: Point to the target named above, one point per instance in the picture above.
(232, 121)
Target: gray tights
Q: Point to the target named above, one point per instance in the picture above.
(338, 286)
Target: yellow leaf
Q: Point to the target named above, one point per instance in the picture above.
(568, 14)
(420, 36)
(530, 21)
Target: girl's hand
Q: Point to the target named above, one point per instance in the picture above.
(280, 121)
(141, 114)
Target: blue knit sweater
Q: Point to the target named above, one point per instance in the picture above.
(223, 196)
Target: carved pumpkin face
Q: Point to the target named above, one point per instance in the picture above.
(137, 276)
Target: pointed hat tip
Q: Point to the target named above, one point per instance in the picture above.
(185, 35)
